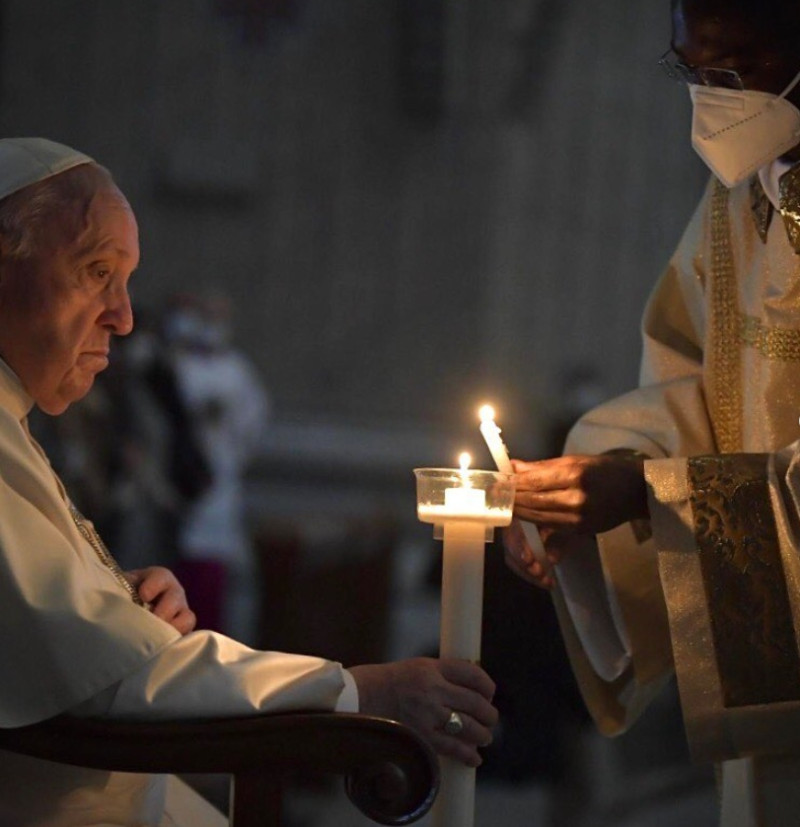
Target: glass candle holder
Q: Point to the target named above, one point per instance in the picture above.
(452, 495)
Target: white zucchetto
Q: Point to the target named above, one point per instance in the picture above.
(26, 161)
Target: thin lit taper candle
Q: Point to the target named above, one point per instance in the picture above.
(491, 433)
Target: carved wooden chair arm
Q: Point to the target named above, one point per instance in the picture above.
(390, 773)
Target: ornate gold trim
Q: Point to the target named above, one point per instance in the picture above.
(725, 395)
(779, 343)
(761, 208)
(743, 578)
(789, 194)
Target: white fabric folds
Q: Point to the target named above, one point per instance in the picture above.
(71, 630)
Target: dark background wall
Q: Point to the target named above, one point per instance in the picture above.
(414, 204)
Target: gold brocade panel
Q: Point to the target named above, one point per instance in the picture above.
(744, 582)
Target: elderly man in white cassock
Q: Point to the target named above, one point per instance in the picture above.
(80, 636)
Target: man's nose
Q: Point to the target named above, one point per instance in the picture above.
(118, 315)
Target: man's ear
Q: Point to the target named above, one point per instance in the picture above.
(6, 261)
(4, 249)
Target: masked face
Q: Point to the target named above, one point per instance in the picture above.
(738, 131)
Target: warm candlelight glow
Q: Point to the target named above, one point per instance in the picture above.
(491, 433)
(486, 413)
(464, 461)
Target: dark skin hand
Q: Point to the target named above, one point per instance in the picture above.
(582, 494)
(579, 494)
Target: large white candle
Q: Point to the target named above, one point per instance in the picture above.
(462, 570)
(491, 434)
(464, 509)
(460, 637)
(460, 634)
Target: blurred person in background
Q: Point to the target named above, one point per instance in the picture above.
(228, 407)
(79, 635)
(159, 468)
(671, 524)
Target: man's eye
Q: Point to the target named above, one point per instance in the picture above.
(99, 272)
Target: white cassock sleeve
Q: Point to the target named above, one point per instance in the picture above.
(205, 674)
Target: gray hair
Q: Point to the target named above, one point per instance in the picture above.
(26, 217)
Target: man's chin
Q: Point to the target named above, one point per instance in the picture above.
(57, 403)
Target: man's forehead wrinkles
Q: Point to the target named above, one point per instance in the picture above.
(93, 245)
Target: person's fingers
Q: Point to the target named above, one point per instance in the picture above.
(152, 582)
(515, 543)
(463, 747)
(548, 474)
(155, 581)
(482, 714)
(454, 748)
(423, 692)
(135, 576)
(564, 505)
(556, 545)
(531, 570)
(169, 603)
(159, 588)
(520, 558)
(184, 621)
(513, 562)
(467, 676)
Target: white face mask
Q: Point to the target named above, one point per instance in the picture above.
(738, 131)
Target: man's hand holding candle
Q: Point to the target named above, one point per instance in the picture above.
(578, 494)
(423, 692)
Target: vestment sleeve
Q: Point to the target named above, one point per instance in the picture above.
(666, 416)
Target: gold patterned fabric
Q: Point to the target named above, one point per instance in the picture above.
(745, 586)
(782, 344)
(789, 187)
(724, 379)
(761, 207)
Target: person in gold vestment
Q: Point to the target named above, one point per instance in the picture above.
(79, 635)
(671, 522)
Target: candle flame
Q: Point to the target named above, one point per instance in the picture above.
(464, 461)
(486, 413)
